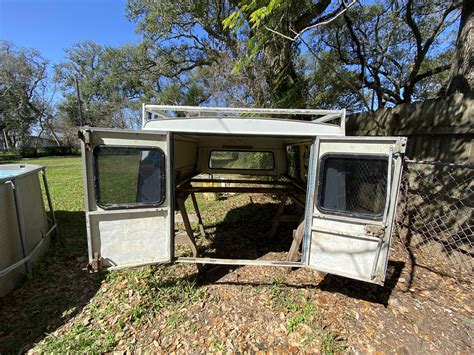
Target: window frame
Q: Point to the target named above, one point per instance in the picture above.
(363, 216)
(241, 151)
(135, 205)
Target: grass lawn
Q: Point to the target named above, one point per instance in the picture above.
(28, 312)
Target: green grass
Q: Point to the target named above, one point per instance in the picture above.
(302, 312)
(8, 156)
(81, 338)
(148, 293)
(30, 312)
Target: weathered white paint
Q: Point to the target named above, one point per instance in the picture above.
(126, 237)
(341, 245)
(131, 238)
(244, 126)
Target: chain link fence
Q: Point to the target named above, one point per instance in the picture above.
(435, 217)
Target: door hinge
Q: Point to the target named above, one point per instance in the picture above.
(374, 230)
(96, 263)
(85, 136)
(400, 147)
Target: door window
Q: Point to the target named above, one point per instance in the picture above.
(127, 177)
(354, 185)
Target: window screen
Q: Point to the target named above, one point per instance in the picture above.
(241, 160)
(355, 186)
(129, 177)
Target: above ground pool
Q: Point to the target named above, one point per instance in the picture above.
(25, 224)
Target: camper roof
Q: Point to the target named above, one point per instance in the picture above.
(243, 121)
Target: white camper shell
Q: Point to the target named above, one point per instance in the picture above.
(136, 180)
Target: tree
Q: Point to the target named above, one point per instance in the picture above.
(397, 47)
(273, 31)
(462, 72)
(100, 85)
(186, 39)
(25, 99)
(399, 50)
(326, 89)
(185, 43)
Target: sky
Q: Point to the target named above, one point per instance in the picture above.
(52, 25)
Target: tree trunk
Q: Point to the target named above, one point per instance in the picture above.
(6, 139)
(51, 129)
(462, 73)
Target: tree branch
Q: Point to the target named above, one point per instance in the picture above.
(325, 22)
(355, 39)
(422, 49)
(414, 27)
(431, 72)
(341, 77)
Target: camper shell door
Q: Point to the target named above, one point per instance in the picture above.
(128, 197)
(351, 200)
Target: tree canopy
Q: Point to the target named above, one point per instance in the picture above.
(265, 53)
(23, 92)
(396, 50)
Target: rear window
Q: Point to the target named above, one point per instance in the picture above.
(129, 177)
(241, 160)
(353, 185)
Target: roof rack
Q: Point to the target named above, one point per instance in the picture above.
(163, 112)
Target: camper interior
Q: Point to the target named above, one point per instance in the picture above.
(206, 164)
(343, 188)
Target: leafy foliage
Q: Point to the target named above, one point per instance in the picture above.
(399, 50)
(190, 43)
(100, 85)
(395, 50)
(23, 91)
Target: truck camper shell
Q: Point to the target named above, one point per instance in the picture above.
(347, 187)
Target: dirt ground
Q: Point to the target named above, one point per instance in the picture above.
(229, 309)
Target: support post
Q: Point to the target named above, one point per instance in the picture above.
(187, 225)
(50, 203)
(198, 214)
(276, 219)
(295, 245)
(21, 228)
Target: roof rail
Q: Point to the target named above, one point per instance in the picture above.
(153, 112)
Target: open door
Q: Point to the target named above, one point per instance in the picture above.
(352, 196)
(128, 199)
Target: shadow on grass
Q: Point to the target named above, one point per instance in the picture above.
(58, 289)
(331, 283)
(243, 234)
(364, 290)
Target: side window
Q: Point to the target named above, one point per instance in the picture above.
(354, 186)
(241, 160)
(127, 177)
